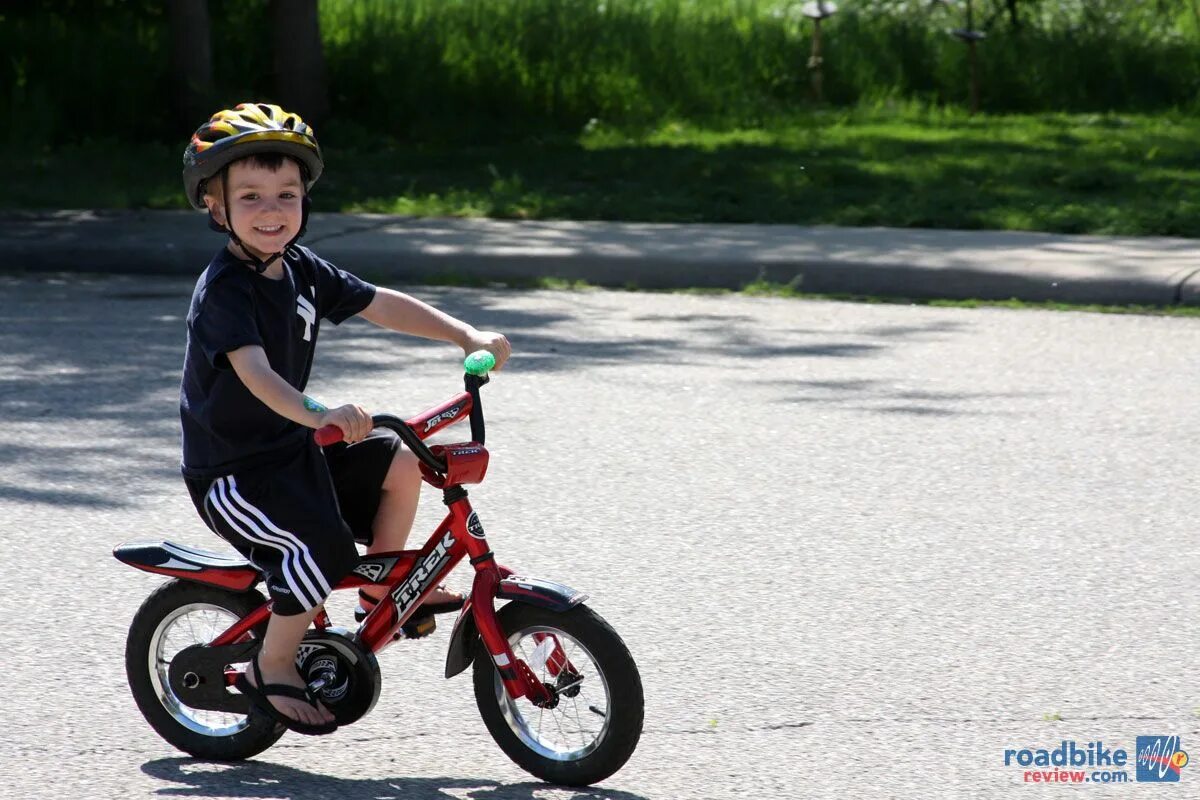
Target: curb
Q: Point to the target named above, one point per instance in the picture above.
(908, 263)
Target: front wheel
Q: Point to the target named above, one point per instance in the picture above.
(595, 718)
(175, 616)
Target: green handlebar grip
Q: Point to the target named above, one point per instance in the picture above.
(479, 363)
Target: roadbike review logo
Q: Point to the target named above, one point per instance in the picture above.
(1158, 759)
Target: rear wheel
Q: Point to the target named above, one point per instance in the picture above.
(175, 616)
(593, 722)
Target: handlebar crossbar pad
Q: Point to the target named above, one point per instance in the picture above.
(466, 462)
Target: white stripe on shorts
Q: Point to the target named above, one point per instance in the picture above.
(216, 495)
(296, 558)
(322, 585)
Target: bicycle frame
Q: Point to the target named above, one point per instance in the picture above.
(193, 638)
(411, 575)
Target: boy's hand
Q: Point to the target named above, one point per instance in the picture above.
(354, 422)
(495, 343)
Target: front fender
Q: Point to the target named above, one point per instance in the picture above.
(534, 591)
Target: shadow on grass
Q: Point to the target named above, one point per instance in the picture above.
(1027, 173)
(871, 180)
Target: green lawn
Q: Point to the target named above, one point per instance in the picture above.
(1104, 174)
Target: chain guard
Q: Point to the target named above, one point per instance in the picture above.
(197, 676)
(352, 672)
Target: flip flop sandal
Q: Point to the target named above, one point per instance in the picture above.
(260, 695)
(419, 625)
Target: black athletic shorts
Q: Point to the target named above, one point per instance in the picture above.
(297, 519)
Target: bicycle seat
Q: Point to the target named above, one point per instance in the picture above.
(205, 566)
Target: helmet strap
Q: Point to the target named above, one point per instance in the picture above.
(260, 266)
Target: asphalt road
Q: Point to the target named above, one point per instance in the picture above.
(856, 550)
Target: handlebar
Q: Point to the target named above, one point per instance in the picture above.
(477, 366)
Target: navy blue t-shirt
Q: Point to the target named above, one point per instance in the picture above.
(225, 427)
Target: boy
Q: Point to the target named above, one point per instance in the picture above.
(249, 460)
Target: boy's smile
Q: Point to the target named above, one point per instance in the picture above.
(265, 206)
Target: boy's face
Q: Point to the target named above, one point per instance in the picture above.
(264, 205)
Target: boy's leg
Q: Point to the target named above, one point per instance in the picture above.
(283, 517)
(277, 660)
(398, 498)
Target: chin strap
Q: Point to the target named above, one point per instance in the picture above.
(260, 266)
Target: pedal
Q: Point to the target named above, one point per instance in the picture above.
(418, 628)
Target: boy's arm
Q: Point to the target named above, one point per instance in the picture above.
(400, 312)
(254, 370)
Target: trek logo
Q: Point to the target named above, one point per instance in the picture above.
(1159, 759)
(307, 312)
(474, 526)
(448, 414)
(423, 575)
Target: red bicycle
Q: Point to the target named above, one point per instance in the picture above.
(555, 684)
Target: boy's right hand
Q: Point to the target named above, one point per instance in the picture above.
(354, 422)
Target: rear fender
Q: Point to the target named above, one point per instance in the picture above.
(534, 591)
(189, 564)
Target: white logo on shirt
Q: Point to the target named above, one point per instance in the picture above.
(308, 313)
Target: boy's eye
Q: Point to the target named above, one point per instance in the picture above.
(287, 196)
(250, 196)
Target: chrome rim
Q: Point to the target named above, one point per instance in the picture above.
(577, 725)
(195, 623)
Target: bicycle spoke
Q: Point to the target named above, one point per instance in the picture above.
(193, 626)
(573, 730)
(558, 723)
(210, 625)
(579, 721)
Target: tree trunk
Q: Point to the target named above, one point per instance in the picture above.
(1012, 14)
(191, 62)
(299, 59)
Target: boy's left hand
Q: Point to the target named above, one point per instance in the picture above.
(495, 343)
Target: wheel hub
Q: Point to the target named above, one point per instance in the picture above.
(551, 700)
(568, 684)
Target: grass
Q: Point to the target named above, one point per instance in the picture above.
(905, 166)
(478, 70)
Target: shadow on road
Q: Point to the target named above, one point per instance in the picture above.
(89, 368)
(254, 779)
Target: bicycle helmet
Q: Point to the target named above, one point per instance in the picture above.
(245, 130)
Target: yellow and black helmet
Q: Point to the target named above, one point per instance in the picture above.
(246, 130)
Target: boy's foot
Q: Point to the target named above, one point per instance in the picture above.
(440, 601)
(421, 623)
(284, 697)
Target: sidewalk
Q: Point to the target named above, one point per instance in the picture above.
(864, 261)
